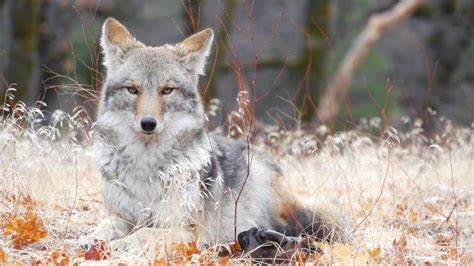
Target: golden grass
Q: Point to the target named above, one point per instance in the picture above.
(409, 198)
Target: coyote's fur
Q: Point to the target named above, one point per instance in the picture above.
(159, 162)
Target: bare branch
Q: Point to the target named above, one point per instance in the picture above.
(376, 25)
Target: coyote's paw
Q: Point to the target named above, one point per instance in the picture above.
(108, 230)
(269, 244)
(255, 238)
(146, 242)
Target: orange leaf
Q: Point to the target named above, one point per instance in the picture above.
(25, 231)
(454, 254)
(187, 250)
(374, 252)
(235, 247)
(412, 231)
(160, 262)
(3, 256)
(298, 258)
(223, 261)
(99, 251)
(414, 216)
(193, 247)
(27, 201)
(59, 257)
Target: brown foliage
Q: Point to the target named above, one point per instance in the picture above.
(24, 231)
(99, 251)
(59, 257)
(3, 256)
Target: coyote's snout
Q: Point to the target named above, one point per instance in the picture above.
(148, 110)
(148, 124)
(158, 160)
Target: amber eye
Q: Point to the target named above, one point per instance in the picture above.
(167, 91)
(132, 90)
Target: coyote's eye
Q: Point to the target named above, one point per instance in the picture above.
(166, 91)
(132, 90)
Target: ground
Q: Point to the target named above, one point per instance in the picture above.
(408, 197)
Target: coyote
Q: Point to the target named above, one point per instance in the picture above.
(158, 161)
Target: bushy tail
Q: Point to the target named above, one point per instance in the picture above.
(326, 223)
(303, 227)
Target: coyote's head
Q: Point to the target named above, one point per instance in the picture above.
(150, 91)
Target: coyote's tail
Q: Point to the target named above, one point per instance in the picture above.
(323, 223)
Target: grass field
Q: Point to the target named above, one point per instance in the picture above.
(409, 198)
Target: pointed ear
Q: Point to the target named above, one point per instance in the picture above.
(116, 40)
(194, 50)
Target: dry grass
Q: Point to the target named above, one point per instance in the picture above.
(409, 198)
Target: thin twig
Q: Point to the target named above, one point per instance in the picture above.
(455, 202)
(75, 190)
(380, 194)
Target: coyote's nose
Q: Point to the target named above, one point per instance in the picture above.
(148, 124)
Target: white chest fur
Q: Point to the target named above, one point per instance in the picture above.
(152, 180)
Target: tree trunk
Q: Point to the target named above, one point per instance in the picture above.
(23, 68)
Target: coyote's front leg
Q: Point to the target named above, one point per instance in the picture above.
(112, 228)
(152, 242)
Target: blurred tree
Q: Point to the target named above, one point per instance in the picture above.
(23, 66)
(313, 57)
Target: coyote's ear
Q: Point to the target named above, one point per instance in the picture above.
(116, 41)
(194, 50)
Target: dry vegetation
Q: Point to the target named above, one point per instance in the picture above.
(409, 197)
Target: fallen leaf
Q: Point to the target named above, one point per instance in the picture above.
(374, 252)
(444, 241)
(401, 209)
(298, 258)
(187, 250)
(454, 254)
(412, 231)
(3, 256)
(24, 230)
(232, 249)
(99, 251)
(400, 248)
(27, 201)
(59, 257)
(235, 247)
(414, 217)
(160, 262)
(223, 261)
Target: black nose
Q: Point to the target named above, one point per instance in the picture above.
(148, 124)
